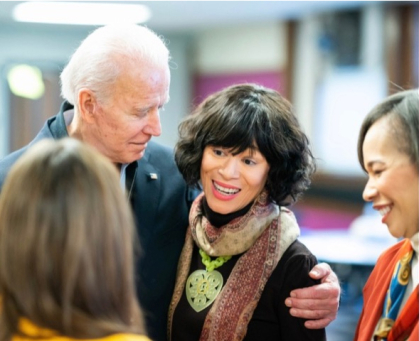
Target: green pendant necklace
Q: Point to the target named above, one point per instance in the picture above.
(203, 286)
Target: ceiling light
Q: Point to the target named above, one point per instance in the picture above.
(80, 13)
(26, 81)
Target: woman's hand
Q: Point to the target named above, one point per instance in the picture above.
(319, 303)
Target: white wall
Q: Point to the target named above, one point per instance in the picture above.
(331, 101)
(180, 88)
(250, 48)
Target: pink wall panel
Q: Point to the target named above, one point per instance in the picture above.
(317, 218)
(205, 85)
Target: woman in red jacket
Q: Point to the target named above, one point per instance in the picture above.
(388, 152)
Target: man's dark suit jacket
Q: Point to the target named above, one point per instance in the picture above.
(160, 200)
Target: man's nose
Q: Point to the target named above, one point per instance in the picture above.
(153, 126)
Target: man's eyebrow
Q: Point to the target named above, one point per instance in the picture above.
(372, 162)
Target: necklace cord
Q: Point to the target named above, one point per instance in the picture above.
(212, 264)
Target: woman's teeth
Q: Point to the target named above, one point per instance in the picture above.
(384, 211)
(224, 190)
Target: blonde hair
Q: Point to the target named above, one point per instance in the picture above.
(66, 244)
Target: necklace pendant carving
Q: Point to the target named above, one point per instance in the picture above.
(202, 288)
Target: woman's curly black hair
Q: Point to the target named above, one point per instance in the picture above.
(249, 116)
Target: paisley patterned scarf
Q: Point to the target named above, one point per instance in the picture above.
(262, 234)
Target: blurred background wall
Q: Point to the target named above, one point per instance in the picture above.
(333, 60)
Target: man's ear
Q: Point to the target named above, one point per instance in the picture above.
(87, 105)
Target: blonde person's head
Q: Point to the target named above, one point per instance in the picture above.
(66, 244)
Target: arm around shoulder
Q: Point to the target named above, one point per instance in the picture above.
(319, 303)
(297, 278)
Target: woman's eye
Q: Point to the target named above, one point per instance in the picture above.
(249, 162)
(218, 152)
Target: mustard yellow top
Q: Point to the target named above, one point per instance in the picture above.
(43, 334)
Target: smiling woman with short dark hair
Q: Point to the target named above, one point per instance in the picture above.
(241, 258)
